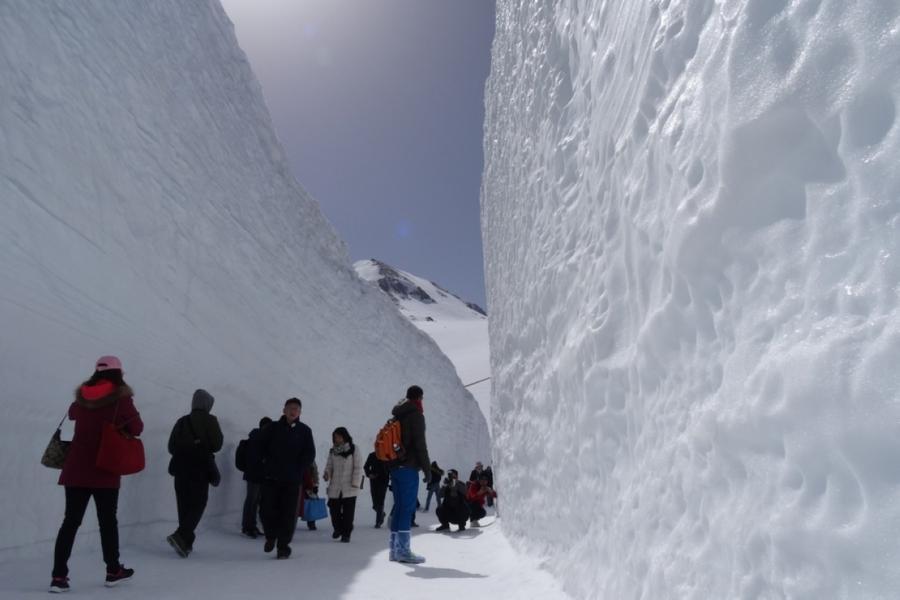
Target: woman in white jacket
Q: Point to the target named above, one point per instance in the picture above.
(344, 474)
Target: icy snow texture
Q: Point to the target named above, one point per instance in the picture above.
(691, 211)
(146, 210)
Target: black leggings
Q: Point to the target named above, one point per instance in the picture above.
(342, 511)
(107, 502)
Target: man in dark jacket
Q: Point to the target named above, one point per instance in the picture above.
(378, 475)
(453, 507)
(410, 413)
(192, 443)
(286, 450)
(253, 475)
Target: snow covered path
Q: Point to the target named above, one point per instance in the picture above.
(225, 565)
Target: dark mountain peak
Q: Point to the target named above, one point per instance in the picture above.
(402, 286)
(398, 286)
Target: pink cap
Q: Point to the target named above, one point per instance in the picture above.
(105, 363)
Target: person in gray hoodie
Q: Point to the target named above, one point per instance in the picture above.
(194, 440)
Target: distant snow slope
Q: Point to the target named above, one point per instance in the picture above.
(691, 213)
(460, 328)
(146, 210)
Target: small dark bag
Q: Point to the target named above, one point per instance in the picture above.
(213, 475)
(57, 450)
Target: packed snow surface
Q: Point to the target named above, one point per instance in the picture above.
(691, 213)
(476, 563)
(458, 327)
(147, 211)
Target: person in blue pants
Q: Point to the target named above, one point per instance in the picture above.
(410, 413)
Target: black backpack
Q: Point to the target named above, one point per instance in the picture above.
(240, 455)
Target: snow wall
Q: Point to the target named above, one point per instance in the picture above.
(147, 211)
(691, 212)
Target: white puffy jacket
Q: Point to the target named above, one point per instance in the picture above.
(345, 474)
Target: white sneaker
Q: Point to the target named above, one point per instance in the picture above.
(474, 524)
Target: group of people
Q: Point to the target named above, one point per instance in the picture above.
(459, 502)
(278, 465)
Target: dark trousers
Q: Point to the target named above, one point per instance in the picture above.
(378, 488)
(458, 515)
(432, 491)
(251, 506)
(278, 504)
(342, 511)
(107, 502)
(191, 496)
(476, 511)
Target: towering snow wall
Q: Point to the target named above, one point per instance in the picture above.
(691, 213)
(146, 210)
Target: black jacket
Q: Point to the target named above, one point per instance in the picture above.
(436, 474)
(376, 469)
(453, 496)
(254, 471)
(412, 436)
(194, 437)
(285, 450)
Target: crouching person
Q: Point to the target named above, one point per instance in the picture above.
(476, 495)
(452, 507)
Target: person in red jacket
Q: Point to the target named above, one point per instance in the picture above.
(476, 494)
(103, 398)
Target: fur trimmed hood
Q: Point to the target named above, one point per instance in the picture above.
(100, 394)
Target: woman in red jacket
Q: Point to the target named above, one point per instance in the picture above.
(476, 494)
(103, 398)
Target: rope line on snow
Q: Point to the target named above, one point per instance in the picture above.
(474, 382)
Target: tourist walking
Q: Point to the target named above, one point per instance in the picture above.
(253, 475)
(194, 440)
(104, 398)
(377, 473)
(344, 474)
(286, 449)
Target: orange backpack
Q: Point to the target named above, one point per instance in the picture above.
(388, 445)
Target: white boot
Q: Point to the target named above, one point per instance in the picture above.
(404, 554)
(393, 555)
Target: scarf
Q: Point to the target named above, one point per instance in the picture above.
(345, 449)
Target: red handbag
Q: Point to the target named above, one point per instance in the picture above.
(119, 453)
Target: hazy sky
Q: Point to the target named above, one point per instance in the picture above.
(379, 106)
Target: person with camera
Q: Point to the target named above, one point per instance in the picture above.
(476, 494)
(453, 507)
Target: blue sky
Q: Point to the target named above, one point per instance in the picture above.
(379, 106)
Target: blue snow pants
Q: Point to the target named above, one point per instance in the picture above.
(405, 484)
